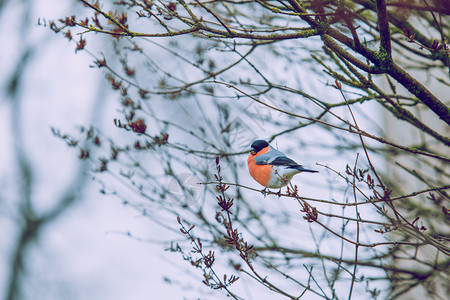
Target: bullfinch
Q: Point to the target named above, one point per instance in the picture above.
(270, 167)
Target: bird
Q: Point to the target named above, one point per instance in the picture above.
(270, 167)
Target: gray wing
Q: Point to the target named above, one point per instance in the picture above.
(274, 156)
(277, 158)
(283, 161)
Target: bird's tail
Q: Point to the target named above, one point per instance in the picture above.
(302, 169)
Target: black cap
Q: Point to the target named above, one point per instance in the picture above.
(258, 145)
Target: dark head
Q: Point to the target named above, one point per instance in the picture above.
(257, 146)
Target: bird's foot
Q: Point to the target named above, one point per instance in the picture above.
(279, 194)
(264, 192)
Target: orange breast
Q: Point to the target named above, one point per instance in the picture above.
(261, 173)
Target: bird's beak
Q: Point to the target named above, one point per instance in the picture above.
(252, 151)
